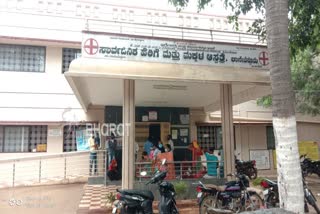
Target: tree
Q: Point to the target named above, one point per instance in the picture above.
(306, 82)
(283, 109)
(284, 122)
(304, 34)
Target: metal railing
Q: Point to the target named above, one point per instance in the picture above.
(75, 167)
(182, 169)
(50, 168)
(173, 32)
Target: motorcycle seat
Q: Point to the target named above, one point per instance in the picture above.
(218, 188)
(143, 193)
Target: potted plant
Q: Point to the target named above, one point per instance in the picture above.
(181, 189)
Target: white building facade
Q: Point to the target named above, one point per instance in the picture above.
(39, 111)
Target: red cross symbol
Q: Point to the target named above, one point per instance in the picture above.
(263, 58)
(91, 46)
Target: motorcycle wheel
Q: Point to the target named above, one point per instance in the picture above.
(272, 200)
(208, 201)
(312, 201)
(252, 173)
(316, 208)
(306, 208)
(254, 202)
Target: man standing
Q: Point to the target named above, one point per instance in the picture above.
(93, 154)
(170, 142)
(97, 140)
(112, 146)
(212, 164)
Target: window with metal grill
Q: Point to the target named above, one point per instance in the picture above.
(23, 138)
(209, 137)
(22, 58)
(69, 54)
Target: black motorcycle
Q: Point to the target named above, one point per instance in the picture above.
(233, 197)
(309, 166)
(271, 195)
(247, 168)
(140, 201)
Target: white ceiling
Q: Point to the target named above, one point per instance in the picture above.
(104, 91)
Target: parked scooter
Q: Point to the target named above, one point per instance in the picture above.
(140, 201)
(271, 195)
(233, 197)
(247, 167)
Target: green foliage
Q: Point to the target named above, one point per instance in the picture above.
(265, 101)
(257, 181)
(304, 19)
(180, 188)
(304, 41)
(110, 197)
(305, 69)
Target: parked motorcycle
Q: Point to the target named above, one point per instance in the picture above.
(207, 193)
(233, 197)
(140, 201)
(309, 166)
(271, 195)
(247, 167)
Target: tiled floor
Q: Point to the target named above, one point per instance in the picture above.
(94, 201)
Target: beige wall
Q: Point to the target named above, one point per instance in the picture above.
(308, 132)
(53, 60)
(252, 137)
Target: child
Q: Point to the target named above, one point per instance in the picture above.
(145, 157)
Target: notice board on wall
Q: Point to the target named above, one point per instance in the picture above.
(262, 158)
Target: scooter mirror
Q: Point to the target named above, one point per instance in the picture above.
(143, 173)
(163, 161)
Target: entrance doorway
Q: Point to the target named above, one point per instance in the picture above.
(155, 131)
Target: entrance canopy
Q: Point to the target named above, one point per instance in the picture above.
(140, 71)
(105, 88)
(167, 72)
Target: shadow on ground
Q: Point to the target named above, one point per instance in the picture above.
(62, 199)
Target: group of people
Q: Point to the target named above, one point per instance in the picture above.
(153, 147)
(94, 144)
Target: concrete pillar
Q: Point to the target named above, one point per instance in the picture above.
(227, 127)
(128, 137)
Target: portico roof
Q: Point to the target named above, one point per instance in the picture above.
(99, 82)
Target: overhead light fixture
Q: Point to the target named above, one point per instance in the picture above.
(170, 87)
(154, 102)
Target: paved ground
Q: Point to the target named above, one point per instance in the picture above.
(65, 199)
(62, 199)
